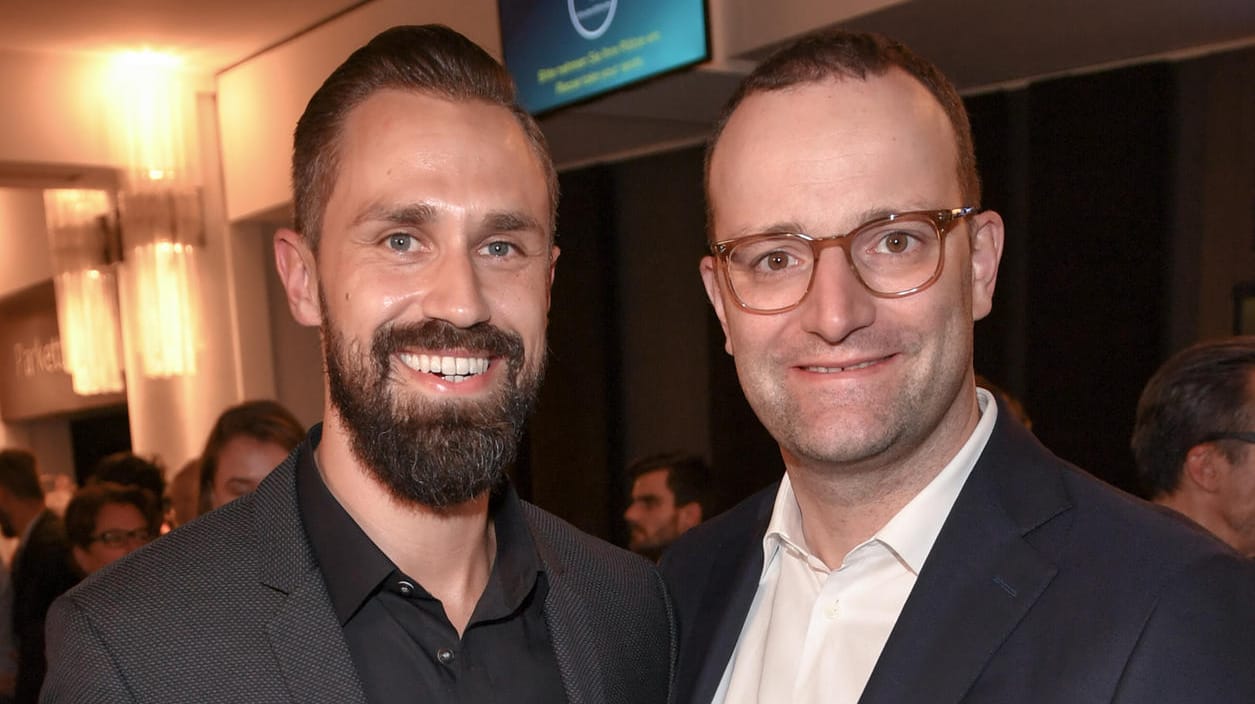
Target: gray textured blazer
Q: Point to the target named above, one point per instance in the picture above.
(232, 608)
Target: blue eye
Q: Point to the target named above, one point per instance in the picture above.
(499, 248)
(400, 242)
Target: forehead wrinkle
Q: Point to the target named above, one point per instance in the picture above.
(860, 218)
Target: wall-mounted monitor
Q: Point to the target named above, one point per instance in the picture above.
(566, 51)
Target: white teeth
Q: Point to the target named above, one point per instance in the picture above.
(455, 369)
(833, 370)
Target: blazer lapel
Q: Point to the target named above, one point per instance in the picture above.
(980, 579)
(574, 647)
(309, 645)
(305, 635)
(730, 590)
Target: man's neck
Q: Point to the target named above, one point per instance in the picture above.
(1204, 509)
(845, 504)
(449, 551)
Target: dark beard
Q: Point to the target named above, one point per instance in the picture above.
(436, 454)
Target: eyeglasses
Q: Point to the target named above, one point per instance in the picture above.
(118, 538)
(892, 257)
(1244, 437)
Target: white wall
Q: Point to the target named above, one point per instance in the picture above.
(24, 258)
(260, 100)
(51, 110)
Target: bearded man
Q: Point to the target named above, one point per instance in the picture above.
(388, 559)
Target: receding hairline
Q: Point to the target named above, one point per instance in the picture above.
(888, 72)
(332, 153)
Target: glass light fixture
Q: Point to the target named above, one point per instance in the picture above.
(160, 209)
(83, 243)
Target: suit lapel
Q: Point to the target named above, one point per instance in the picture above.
(309, 644)
(730, 589)
(574, 647)
(980, 579)
(305, 635)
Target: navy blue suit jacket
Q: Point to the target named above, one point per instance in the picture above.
(1044, 585)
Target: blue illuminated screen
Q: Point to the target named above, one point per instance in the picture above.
(565, 51)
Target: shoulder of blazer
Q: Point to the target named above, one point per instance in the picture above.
(257, 535)
(740, 529)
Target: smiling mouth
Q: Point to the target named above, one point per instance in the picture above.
(852, 367)
(452, 369)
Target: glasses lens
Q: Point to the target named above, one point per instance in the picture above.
(118, 538)
(896, 256)
(769, 272)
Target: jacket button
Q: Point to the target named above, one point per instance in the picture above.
(445, 656)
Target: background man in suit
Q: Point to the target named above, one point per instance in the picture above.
(921, 546)
(1194, 439)
(669, 496)
(42, 569)
(388, 559)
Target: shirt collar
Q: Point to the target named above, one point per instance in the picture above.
(354, 568)
(911, 532)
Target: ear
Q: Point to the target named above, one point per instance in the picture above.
(298, 270)
(710, 279)
(688, 515)
(1200, 468)
(553, 269)
(986, 254)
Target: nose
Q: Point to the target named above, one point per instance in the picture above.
(629, 513)
(456, 293)
(838, 303)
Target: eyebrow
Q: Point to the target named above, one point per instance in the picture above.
(511, 221)
(419, 214)
(413, 215)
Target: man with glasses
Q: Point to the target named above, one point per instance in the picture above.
(922, 546)
(1194, 437)
(106, 522)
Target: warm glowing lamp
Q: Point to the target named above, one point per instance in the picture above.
(160, 209)
(83, 244)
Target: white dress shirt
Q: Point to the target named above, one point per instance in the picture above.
(813, 634)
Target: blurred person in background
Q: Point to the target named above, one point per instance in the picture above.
(183, 495)
(1194, 438)
(106, 521)
(130, 469)
(41, 565)
(669, 496)
(245, 443)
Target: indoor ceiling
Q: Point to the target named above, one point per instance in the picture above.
(979, 43)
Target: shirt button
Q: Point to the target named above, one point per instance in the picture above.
(406, 588)
(832, 611)
(445, 656)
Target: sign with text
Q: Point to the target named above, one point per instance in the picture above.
(565, 51)
(32, 381)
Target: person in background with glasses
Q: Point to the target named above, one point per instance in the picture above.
(922, 546)
(1194, 438)
(107, 521)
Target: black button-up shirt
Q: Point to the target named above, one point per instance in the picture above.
(402, 644)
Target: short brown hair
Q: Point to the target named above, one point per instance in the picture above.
(833, 53)
(18, 474)
(1203, 389)
(81, 513)
(264, 421)
(425, 59)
